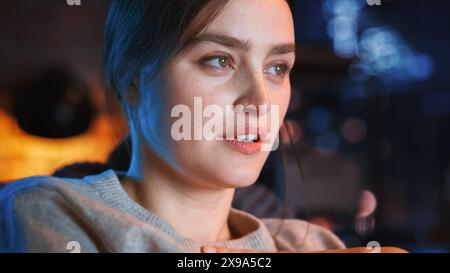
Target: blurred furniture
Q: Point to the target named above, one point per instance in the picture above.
(24, 155)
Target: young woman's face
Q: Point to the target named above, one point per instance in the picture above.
(242, 58)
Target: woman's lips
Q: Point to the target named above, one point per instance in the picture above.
(245, 139)
(247, 148)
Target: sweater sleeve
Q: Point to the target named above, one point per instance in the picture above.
(38, 219)
(292, 235)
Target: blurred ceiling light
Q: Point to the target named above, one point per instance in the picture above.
(379, 51)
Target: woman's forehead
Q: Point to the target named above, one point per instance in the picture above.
(255, 21)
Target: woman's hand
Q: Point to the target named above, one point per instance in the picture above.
(211, 249)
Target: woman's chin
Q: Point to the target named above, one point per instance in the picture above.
(240, 178)
(238, 173)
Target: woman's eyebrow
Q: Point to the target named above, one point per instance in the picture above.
(223, 40)
(240, 44)
(283, 49)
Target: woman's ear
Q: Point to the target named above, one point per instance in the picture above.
(132, 94)
(130, 101)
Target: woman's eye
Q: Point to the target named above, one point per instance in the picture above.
(278, 69)
(221, 62)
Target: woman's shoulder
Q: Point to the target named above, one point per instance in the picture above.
(42, 188)
(29, 185)
(295, 234)
(42, 213)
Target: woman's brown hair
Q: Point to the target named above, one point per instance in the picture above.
(144, 35)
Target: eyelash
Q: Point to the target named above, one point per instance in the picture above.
(215, 57)
(287, 68)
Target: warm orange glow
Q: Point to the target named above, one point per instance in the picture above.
(23, 155)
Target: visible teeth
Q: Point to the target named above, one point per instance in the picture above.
(247, 138)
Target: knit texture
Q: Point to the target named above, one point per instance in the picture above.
(50, 214)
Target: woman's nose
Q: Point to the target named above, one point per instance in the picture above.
(254, 97)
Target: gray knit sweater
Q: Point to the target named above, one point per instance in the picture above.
(95, 214)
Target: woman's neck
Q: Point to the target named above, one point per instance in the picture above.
(196, 212)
